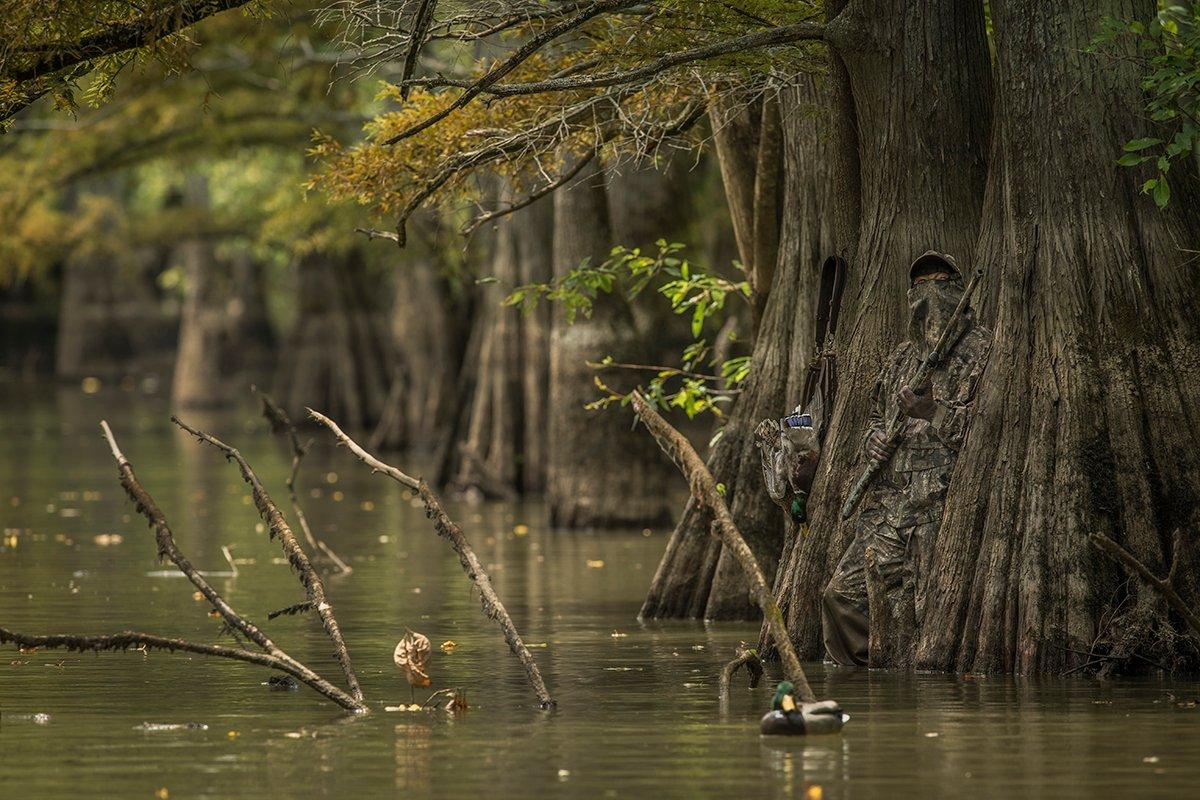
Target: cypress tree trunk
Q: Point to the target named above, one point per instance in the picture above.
(919, 77)
(503, 448)
(339, 355)
(1088, 416)
(426, 320)
(693, 578)
(600, 472)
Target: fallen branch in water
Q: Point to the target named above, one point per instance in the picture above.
(746, 657)
(272, 656)
(282, 424)
(1164, 586)
(704, 489)
(449, 531)
(278, 528)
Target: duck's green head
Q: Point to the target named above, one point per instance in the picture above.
(785, 689)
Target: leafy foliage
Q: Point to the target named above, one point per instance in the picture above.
(1167, 51)
(598, 84)
(690, 290)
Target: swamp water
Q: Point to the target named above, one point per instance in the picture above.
(638, 711)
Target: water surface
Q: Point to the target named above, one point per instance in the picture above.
(638, 711)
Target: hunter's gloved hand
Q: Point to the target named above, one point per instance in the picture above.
(917, 406)
(877, 446)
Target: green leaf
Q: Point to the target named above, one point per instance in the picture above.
(1132, 160)
(1141, 144)
(1162, 192)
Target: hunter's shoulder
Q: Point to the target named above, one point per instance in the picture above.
(978, 340)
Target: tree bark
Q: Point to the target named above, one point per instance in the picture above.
(695, 578)
(599, 471)
(1089, 412)
(919, 77)
(502, 452)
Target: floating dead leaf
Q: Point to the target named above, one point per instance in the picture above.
(1150, 760)
(338, 496)
(367, 505)
(619, 635)
(331, 477)
(233, 734)
(162, 793)
(457, 703)
(520, 530)
(595, 563)
(90, 385)
(813, 792)
(932, 735)
(448, 646)
(412, 656)
(27, 650)
(108, 539)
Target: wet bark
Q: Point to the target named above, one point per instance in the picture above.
(919, 80)
(1089, 412)
(695, 578)
(599, 471)
(339, 354)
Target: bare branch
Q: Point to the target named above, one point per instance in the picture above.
(421, 24)
(1165, 588)
(282, 424)
(704, 489)
(786, 34)
(522, 54)
(448, 530)
(532, 198)
(278, 527)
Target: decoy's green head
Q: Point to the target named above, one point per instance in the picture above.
(784, 697)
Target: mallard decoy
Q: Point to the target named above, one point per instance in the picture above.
(789, 718)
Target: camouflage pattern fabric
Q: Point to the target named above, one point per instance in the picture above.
(899, 516)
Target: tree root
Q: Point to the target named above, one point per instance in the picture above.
(272, 656)
(704, 489)
(449, 531)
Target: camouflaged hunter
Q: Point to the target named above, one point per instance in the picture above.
(900, 511)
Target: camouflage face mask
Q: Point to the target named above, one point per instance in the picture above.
(931, 305)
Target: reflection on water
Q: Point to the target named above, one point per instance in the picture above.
(638, 713)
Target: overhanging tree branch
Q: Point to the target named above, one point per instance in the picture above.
(786, 34)
(118, 37)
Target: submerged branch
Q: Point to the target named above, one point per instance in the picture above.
(704, 489)
(282, 424)
(747, 657)
(1165, 587)
(272, 657)
(278, 527)
(448, 530)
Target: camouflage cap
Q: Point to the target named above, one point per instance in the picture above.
(933, 261)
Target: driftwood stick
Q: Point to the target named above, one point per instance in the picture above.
(1164, 587)
(704, 489)
(492, 606)
(282, 424)
(273, 657)
(127, 640)
(278, 527)
(746, 657)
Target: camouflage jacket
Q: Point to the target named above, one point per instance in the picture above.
(911, 488)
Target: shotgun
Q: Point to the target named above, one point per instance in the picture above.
(894, 431)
